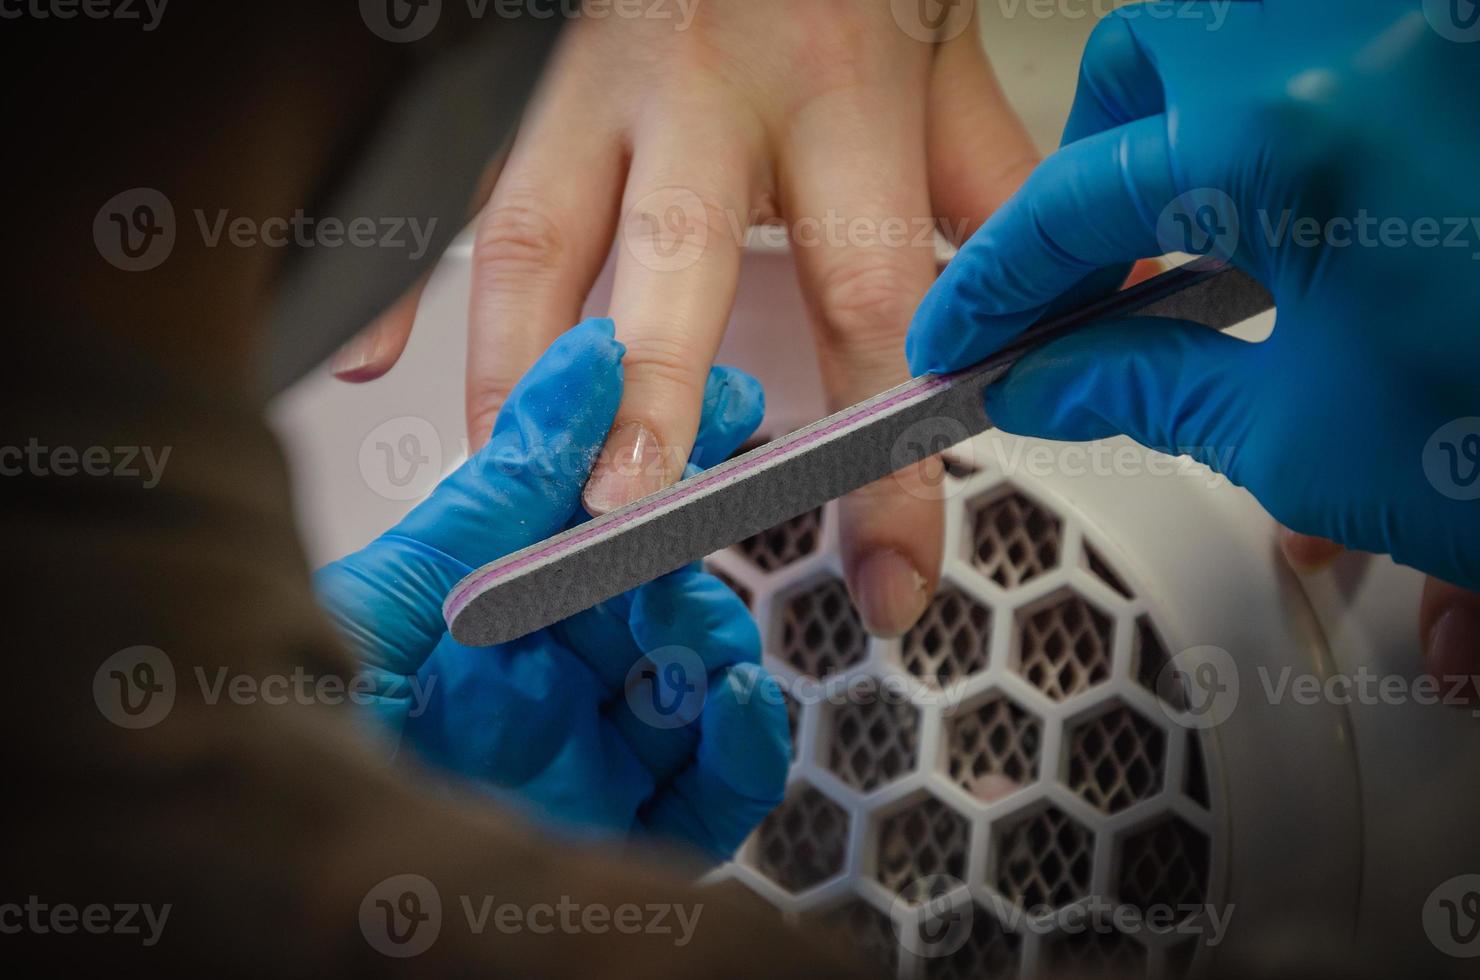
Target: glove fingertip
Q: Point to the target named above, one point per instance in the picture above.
(746, 741)
(734, 405)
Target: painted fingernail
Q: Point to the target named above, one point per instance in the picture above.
(1308, 554)
(1454, 651)
(890, 593)
(352, 358)
(631, 467)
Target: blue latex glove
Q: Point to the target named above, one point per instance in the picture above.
(1348, 423)
(544, 722)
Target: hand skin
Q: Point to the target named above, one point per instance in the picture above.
(825, 116)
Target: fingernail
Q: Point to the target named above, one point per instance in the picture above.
(1454, 651)
(631, 467)
(353, 356)
(1308, 554)
(890, 593)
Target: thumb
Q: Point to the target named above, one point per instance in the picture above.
(1173, 386)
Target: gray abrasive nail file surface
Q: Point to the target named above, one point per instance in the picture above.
(575, 570)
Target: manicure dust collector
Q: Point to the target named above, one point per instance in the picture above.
(1099, 751)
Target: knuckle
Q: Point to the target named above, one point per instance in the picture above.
(667, 363)
(518, 234)
(680, 225)
(485, 399)
(867, 301)
(831, 53)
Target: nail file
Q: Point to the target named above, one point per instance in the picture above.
(563, 575)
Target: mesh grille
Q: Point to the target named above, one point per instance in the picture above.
(1096, 953)
(803, 841)
(784, 544)
(1151, 659)
(1014, 539)
(988, 953)
(993, 750)
(821, 632)
(941, 711)
(1066, 647)
(925, 840)
(1044, 859)
(1166, 865)
(873, 741)
(1101, 570)
(1116, 760)
(951, 641)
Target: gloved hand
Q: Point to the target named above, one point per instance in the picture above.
(545, 722)
(1328, 150)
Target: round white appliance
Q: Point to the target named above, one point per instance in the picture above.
(1041, 744)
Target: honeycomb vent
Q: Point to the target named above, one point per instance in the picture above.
(921, 848)
(1015, 540)
(803, 842)
(873, 741)
(1066, 648)
(1044, 860)
(993, 750)
(821, 632)
(1115, 760)
(1007, 750)
(951, 641)
(1165, 865)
